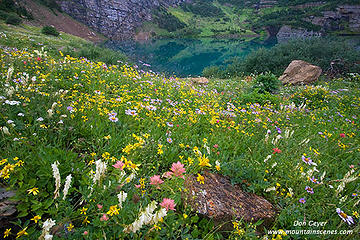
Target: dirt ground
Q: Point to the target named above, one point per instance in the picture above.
(61, 21)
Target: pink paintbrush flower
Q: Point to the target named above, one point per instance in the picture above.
(118, 164)
(156, 180)
(168, 203)
(178, 169)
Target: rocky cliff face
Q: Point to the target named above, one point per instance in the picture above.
(116, 19)
(346, 18)
(333, 20)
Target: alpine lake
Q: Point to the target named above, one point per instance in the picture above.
(186, 57)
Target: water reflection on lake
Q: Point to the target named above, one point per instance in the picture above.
(185, 57)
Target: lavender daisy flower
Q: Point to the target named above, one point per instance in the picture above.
(113, 119)
(302, 200)
(169, 140)
(309, 189)
(346, 218)
(278, 130)
(307, 160)
(314, 180)
(112, 114)
(130, 112)
(70, 109)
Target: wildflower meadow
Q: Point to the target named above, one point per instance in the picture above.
(96, 151)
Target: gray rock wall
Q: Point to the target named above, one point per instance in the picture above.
(116, 19)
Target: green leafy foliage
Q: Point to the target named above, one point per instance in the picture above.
(318, 51)
(13, 19)
(166, 20)
(50, 30)
(203, 8)
(266, 83)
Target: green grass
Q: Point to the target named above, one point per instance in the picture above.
(81, 115)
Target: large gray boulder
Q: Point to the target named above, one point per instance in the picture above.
(300, 72)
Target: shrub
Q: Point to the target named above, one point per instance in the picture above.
(13, 19)
(166, 20)
(211, 72)
(266, 83)
(49, 30)
(262, 99)
(204, 9)
(3, 15)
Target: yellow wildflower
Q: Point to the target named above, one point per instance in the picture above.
(83, 210)
(113, 210)
(200, 178)
(34, 191)
(204, 161)
(7, 232)
(36, 218)
(70, 227)
(22, 233)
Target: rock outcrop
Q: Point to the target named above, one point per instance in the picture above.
(287, 33)
(300, 72)
(116, 19)
(199, 80)
(218, 199)
(333, 20)
(344, 19)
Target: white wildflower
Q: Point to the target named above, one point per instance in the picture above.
(144, 218)
(9, 73)
(67, 186)
(48, 224)
(121, 196)
(267, 158)
(158, 215)
(48, 237)
(56, 175)
(5, 130)
(100, 170)
(50, 113)
(270, 189)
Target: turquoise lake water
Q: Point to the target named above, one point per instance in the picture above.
(186, 57)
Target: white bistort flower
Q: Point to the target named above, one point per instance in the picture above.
(48, 237)
(121, 196)
(56, 175)
(100, 170)
(67, 186)
(48, 224)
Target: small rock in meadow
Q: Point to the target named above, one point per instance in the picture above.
(199, 80)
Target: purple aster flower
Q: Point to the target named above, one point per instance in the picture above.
(314, 180)
(113, 119)
(346, 218)
(307, 160)
(302, 200)
(112, 114)
(278, 130)
(309, 189)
